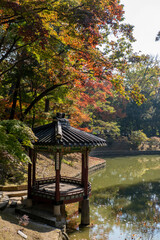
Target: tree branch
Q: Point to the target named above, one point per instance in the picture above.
(27, 44)
(11, 20)
(7, 70)
(39, 97)
(9, 50)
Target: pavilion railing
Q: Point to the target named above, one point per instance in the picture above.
(63, 195)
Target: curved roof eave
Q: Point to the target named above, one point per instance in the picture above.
(59, 133)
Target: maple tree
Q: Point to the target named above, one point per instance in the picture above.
(51, 45)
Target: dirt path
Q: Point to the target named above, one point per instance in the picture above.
(9, 226)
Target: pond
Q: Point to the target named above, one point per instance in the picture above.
(125, 201)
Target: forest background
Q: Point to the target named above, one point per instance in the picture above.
(74, 57)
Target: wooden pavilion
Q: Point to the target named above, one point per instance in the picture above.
(60, 138)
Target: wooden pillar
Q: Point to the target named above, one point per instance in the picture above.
(80, 207)
(84, 176)
(56, 207)
(34, 168)
(85, 212)
(30, 173)
(83, 169)
(58, 158)
(86, 173)
(57, 194)
(84, 204)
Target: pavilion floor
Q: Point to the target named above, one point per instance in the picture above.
(70, 190)
(65, 188)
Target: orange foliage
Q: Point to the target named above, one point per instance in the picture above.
(64, 39)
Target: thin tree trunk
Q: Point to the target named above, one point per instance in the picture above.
(46, 105)
(20, 101)
(15, 94)
(33, 117)
(39, 97)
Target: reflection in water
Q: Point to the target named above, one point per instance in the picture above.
(125, 202)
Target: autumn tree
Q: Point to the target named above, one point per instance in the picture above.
(50, 45)
(51, 59)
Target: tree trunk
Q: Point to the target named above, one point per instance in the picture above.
(15, 94)
(46, 105)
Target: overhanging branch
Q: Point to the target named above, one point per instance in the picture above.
(39, 97)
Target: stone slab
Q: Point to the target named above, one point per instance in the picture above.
(4, 202)
(16, 193)
(42, 216)
(13, 204)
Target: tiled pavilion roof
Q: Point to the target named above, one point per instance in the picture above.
(59, 132)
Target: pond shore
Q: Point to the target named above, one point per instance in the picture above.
(104, 152)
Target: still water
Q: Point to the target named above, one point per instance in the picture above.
(125, 201)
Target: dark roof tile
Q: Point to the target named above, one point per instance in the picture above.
(59, 132)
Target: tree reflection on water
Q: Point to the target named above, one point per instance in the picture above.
(125, 202)
(137, 205)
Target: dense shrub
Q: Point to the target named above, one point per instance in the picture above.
(154, 143)
(137, 138)
(15, 136)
